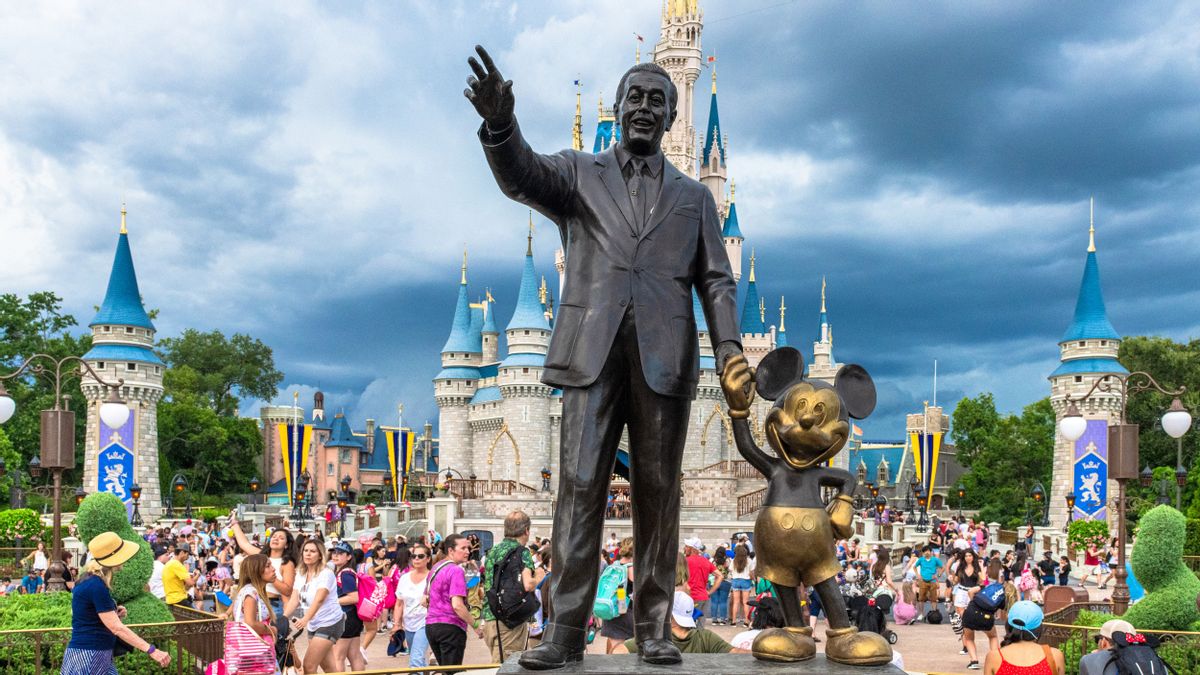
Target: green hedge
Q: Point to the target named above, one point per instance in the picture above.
(1191, 546)
(1171, 588)
(104, 512)
(20, 523)
(1184, 658)
(1084, 532)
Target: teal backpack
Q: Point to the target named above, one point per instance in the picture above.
(606, 606)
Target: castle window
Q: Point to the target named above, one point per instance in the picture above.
(108, 329)
(862, 473)
(1082, 343)
(525, 414)
(345, 456)
(1078, 379)
(100, 365)
(129, 330)
(524, 371)
(329, 469)
(156, 370)
(527, 332)
(1104, 343)
(883, 473)
(131, 367)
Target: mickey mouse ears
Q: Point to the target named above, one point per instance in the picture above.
(777, 371)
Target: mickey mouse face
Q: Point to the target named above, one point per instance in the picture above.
(807, 426)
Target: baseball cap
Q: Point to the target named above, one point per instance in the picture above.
(1114, 626)
(682, 608)
(694, 542)
(1025, 615)
(343, 547)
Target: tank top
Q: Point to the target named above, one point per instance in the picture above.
(969, 580)
(1042, 667)
(277, 563)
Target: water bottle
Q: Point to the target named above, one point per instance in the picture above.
(621, 604)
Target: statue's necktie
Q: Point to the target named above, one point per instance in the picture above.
(637, 192)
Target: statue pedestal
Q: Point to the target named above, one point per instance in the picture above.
(628, 664)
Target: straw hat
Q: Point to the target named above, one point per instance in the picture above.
(110, 550)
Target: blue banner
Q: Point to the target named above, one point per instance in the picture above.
(115, 470)
(1090, 476)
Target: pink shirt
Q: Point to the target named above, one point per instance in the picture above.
(448, 581)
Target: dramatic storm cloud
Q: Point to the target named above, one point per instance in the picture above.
(308, 173)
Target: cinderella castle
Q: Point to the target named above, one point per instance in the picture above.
(498, 422)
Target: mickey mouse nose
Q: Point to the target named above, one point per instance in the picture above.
(806, 421)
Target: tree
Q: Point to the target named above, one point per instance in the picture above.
(1005, 456)
(37, 325)
(1173, 365)
(218, 370)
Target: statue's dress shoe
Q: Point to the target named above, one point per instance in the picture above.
(849, 646)
(659, 652)
(548, 656)
(784, 644)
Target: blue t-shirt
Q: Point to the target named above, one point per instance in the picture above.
(31, 583)
(90, 599)
(928, 567)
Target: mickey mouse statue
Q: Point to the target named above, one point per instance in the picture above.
(795, 529)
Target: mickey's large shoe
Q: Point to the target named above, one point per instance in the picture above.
(849, 646)
(659, 652)
(785, 645)
(548, 656)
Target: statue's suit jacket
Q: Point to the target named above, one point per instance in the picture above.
(613, 260)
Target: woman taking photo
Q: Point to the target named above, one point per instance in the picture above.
(347, 646)
(252, 608)
(96, 618)
(316, 597)
(408, 614)
(281, 554)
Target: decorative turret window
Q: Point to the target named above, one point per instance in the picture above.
(99, 365)
(883, 472)
(862, 472)
(129, 330)
(131, 367)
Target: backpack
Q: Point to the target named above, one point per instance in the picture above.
(606, 605)
(1135, 655)
(989, 598)
(506, 594)
(372, 596)
(934, 617)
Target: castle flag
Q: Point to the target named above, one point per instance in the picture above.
(294, 442)
(399, 453)
(926, 448)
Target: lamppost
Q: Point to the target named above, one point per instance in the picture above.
(1070, 510)
(254, 485)
(1122, 451)
(80, 495)
(961, 491)
(387, 489)
(545, 479)
(1162, 484)
(298, 510)
(923, 502)
(880, 505)
(57, 431)
(135, 491)
(1039, 496)
(179, 485)
(1176, 423)
(16, 495)
(343, 506)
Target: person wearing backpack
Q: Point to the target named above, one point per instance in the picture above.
(1102, 660)
(980, 616)
(508, 586)
(618, 626)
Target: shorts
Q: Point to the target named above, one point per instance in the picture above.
(927, 591)
(962, 596)
(354, 625)
(975, 618)
(331, 632)
(1104, 568)
(618, 628)
(739, 584)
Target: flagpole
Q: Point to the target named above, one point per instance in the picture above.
(399, 490)
(935, 383)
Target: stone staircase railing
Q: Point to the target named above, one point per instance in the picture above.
(750, 502)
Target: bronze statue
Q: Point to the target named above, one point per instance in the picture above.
(638, 236)
(795, 530)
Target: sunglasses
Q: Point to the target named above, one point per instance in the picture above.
(419, 556)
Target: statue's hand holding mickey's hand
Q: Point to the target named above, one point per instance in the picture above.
(737, 380)
(841, 515)
(489, 92)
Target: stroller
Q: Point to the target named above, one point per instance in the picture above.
(870, 615)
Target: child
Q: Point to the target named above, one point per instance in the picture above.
(904, 612)
(1064, 571)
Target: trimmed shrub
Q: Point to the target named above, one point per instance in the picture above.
(20, 523)
(103, 512)
(1171, 588)
(1191, 546)
(1084, 532)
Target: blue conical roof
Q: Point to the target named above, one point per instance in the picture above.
(461, 339)
(712, 139)
(1091, 318)
(123, 302)
(477, 323)
(781, 338)
(698, 310)
(489, 320)
(340, 435)
(752, 321)
(731, 223)
(529, 312)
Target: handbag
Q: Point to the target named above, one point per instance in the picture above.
(246, 651)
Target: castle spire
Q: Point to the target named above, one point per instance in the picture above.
(1091, 316)
(461, 338)
(781, 334)
(1091, 225)
(123, 230)
(464, 267)
(753, 312)
(824, 332)
(752, 260)
(577, 129)
(122, 304)
(822, 293)
(529, 313)
(529, 239)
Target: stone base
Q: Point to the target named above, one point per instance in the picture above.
(714, 664)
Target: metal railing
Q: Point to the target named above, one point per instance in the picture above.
(1193, 563)
(1007, 537)
(193, 640)
(466, 488)
(750, 502)
(740, 468)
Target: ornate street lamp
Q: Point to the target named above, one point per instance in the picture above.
(1070, 510)
(880, 505)
(1043, 508)
(343, 505)
(254, 485)
(387, 489)
(545, 479)
(1146, 478)
(135, 491)
(35, 467)
(80, 495)
(961, 491)
(874, 489)
(1176, 423)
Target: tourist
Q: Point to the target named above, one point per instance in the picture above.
(1064, 571)
(408, 614)
(252, 607)
(1020, 653)
(316, 600)
(720, 597)
(928, 571)
(620, 628)
(281, 551)
(767, 614)
(1029, 539)
(347, 646)
(1047, 568)
(32, 582)
(1108, 560)
(1101, 660)
(980, 616)
(384, 572)
(502, 640)
(741, 571)
(685, 634)
(176, 578)
(37, 559)
(449, 617)
(904, 612)
(96, 618)
(881, 572)
(700, 569)
(936, 540)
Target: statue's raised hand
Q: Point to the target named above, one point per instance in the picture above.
(489, 92)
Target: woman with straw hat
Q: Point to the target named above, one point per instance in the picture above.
(96, 618)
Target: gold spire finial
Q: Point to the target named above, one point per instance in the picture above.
(542, 291)
(782, 309)
(714, 78)
(488, 293)
(732, 190)
(529, 239)
(762, 310)
(822, 293)
(577, 128)
(1092, 225)
(123, 230)
(752, 265)
(464, 267)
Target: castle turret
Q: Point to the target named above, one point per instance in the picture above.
(1088, 352)
(678, 52)
(491, 334)
(732, 235)
(455, 385)
(823, 365)
(752, 318)
(781, 334)
(712, 158)
(122, 342)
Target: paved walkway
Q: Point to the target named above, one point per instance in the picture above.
(925, 648)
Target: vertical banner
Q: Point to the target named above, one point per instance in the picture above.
(115, 471)
(399, 453)
(294, 441)
(1090, 475)
(926, 448)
